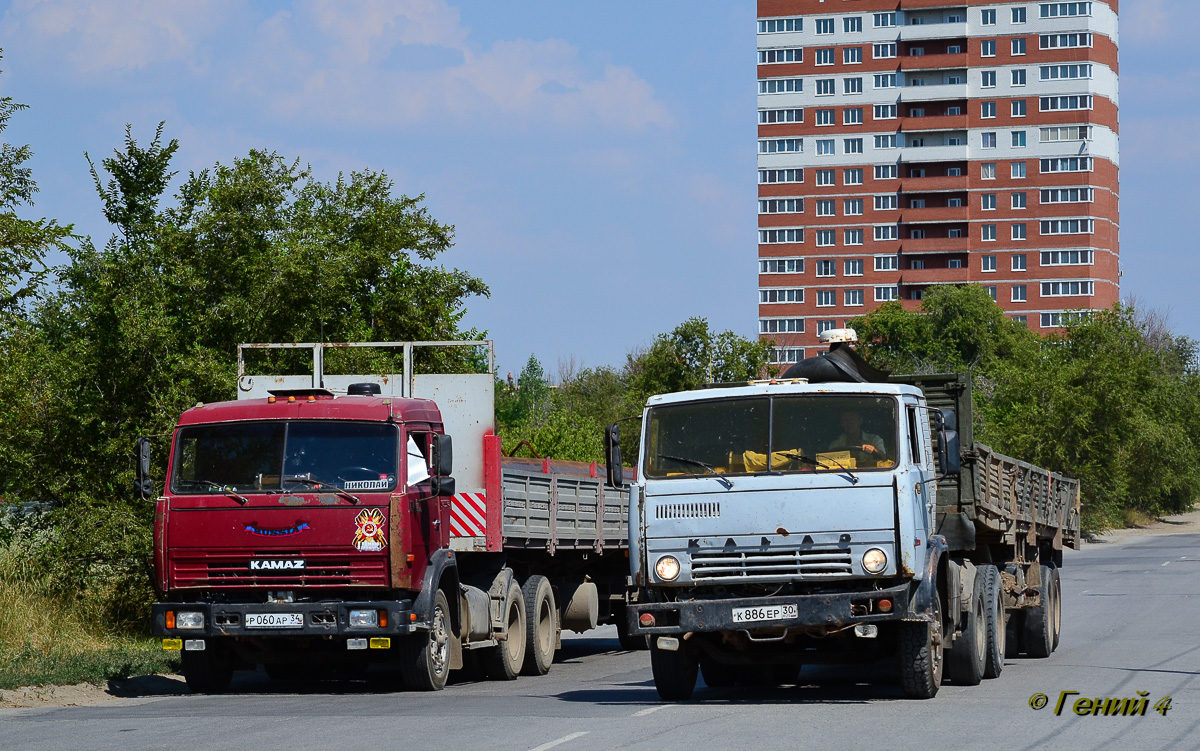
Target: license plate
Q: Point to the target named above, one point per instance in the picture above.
(274, 620)
(767, 613)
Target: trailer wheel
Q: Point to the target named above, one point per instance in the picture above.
(209, 671)
(541, 625)
(1056, 619)
(989, 581)
(1039, 620)
(504, 660)
(921, 653)
(1014, 634)
(967, 659)
(425, 658)
(717, 674)
(674, 672)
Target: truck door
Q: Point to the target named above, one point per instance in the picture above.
(920, 456)
(434, 512)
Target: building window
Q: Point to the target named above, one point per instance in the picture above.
(1018, 200)
(887, 263)
(824, 25)
(826, 298)
(1066, 258)
(1018, 15)
(988, 201)
(826, 87)
(1018, 170)
(987, 110)
(887, 141)
(825, 146)
(770, 117)
(781, 325)
(1066, 133)
(885, 232)
(852, 176)
(988, 79)
(852, 85)
(854, 297)
(771, 176)
(854, 237)
(826, 238)
(1068, 289)
(852, 55)
(1018, 231)
(1058, 10)
(854, 267)
(1072, 71)
(825, 56)
(989, 232)
(991, 290)
(827, 207)
(781, 55)
(1018, 262)
(1018, 46)
(885, 112)
(777, 25)
(826, 117)
(853, 206)
(954, 263)
(886, 202)
(781, 146)
(852, 24)
(782, 266)
(1018, 108)
(1068, 226)
(916, 234)
(885, 80)
(1018, 139)
(823, 326)
(1067, 164)
(786, 355)
(780, 85)
(989, 263)
(987, 171)
(1064, 41)
(852, 116)
(988, 140)
(773, 295)
(1018, 76)
(886, 294)
(826, 268)
(781, 206)
(987, 48)
(988, 17)
(781, 235)
(885, 20)
(826, 177)
(852, 146)
(1068, 195)
(885, 172)
(884, 51)
(1073, 102)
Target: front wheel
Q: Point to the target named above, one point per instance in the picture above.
(208, 671)
(674, 672)
(425, 663)
(921, 655)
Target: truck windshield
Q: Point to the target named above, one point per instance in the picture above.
(268, 457)
(807, 433)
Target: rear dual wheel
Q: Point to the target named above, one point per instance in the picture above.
(504, 661)
(541, 625)
(1043, 621)
(967, 658)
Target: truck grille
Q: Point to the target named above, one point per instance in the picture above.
(768, 565)
(694, 510)
(321, 570)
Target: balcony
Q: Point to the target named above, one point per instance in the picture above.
(916, 32)
(934, 214)
(933, 276)
(933, 92)
(934, 153)
(935, 122)
(933, 184)
(934, 245)
(933, 62)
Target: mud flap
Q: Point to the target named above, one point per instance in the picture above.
(920, 604)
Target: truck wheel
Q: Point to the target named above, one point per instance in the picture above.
(628, 642)
(674, 672)
(997, 631)
(1014, 634)
(717, 674)
(967, 658)
(541, 621)
(209, 671)
(1039, 620)
(921, 654)
(504, 661)
(425, 658)
(1056, 619)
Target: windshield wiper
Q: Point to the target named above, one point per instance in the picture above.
(820, 464)
(225, 490)
(696, 463)
(321, 484)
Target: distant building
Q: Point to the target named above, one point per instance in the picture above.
(910, 143)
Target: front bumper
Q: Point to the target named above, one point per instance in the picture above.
(828, 610)
(320, 619)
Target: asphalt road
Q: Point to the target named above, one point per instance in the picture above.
(1131, 622)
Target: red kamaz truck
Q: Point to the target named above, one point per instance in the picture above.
(324, 521)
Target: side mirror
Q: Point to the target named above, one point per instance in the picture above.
(612, 456)
(441, 486)
(949, 455)
(144, 486)
(443, 455)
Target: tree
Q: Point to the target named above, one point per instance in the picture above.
(692, 355)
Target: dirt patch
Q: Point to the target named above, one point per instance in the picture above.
(87, 694)
(1188, 523)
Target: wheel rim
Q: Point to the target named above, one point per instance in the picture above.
(439, 641)
(1056, 609)
(513, 644)
(545, 627)
(936, 653)
(981, 628)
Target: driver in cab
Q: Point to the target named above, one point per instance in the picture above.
(857, 441)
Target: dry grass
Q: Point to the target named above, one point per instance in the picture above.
(1134, 518)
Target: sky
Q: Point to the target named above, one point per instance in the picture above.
(596, 158)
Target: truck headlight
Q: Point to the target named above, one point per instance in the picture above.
(874, 561)
(364, 618)
(189, 619)
(667, 567)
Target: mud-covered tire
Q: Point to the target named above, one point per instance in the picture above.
(1056, 616)
(994, 623)
(967, 657)
(717, 674)
(674, 672)
(921, 655)
(1014, 634)
(1039, 629)
(503, 662)
(209, 671)
(425, 657)
(541, 625)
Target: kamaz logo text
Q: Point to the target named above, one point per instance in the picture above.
(291, 564)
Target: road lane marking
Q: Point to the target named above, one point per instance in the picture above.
(649, 710)
(1166, 563)
(560, 741)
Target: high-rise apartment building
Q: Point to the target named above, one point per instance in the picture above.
(910, 143)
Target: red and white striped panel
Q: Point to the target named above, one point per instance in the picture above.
(468, 515)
